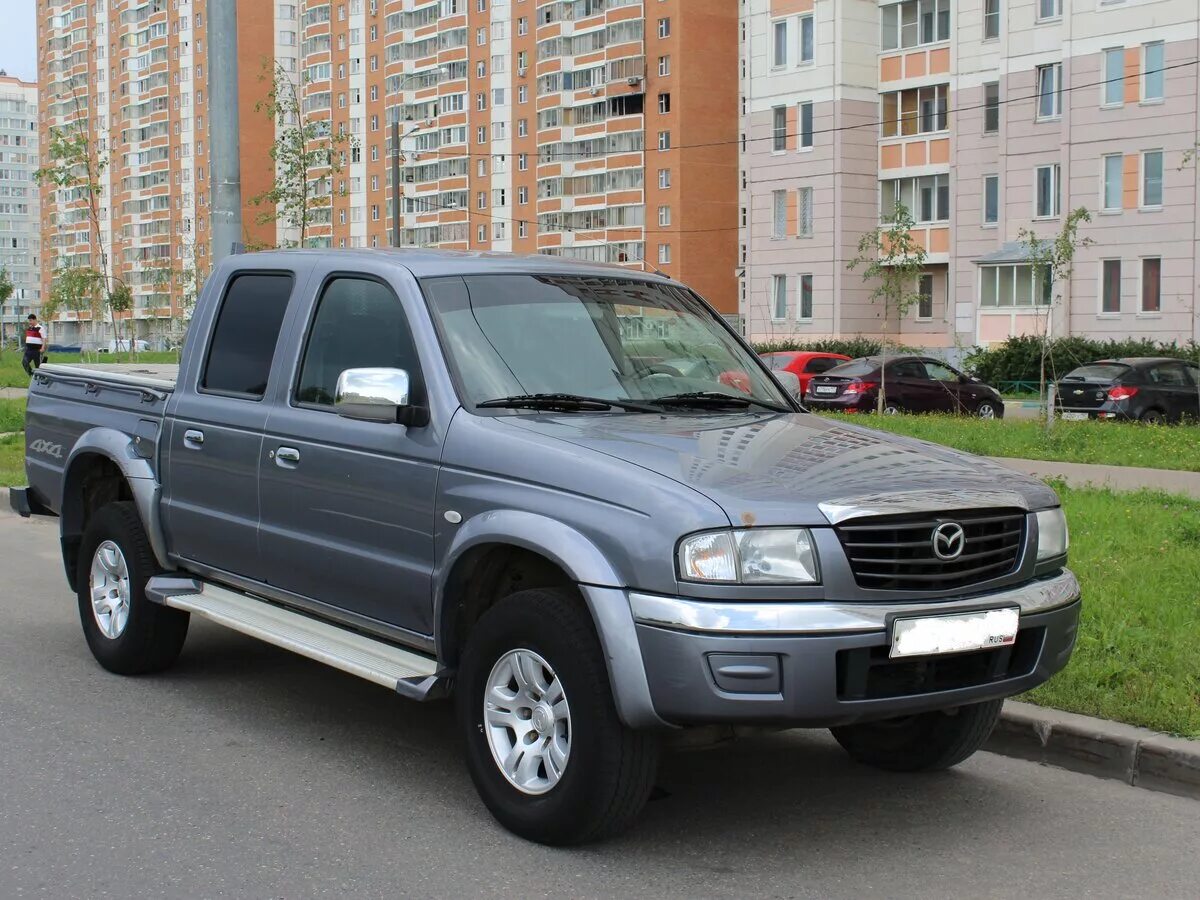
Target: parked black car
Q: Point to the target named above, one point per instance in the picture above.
(1153, 390)
(913, 384)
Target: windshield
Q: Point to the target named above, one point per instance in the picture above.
(1098, 372)
(607, 338)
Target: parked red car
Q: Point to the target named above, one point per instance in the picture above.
(803, 363)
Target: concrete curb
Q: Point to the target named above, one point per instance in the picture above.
(1136, 756)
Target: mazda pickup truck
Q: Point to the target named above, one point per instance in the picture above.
(494, 477)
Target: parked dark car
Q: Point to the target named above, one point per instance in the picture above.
(913, 384)
(1154, 390)
(804, 364)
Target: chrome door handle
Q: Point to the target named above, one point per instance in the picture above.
(287, 456)
(193, 438)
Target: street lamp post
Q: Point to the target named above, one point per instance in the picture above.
(440, 72)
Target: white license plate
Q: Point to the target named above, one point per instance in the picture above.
(1075, 416)
(826, 389)
(957, 633)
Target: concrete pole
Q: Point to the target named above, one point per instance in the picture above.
(396, 184)
(223, 125)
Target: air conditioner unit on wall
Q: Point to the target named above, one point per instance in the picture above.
(633, 80)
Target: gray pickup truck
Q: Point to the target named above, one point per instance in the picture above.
(476, 474)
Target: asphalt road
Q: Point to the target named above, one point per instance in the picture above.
(248, 772)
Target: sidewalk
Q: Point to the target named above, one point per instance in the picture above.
(1119, 478)
(13, 393)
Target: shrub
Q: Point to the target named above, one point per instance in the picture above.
(1019, 358)
(854, 347)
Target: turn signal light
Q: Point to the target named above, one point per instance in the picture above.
(1121, 393)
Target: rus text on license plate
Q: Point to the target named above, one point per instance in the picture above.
(1075, 416)
(958, 633)
(826, 389)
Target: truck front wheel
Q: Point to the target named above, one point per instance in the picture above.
(926, 742)
(126, 632)
(547, 752)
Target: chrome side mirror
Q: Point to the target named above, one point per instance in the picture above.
(373, 395)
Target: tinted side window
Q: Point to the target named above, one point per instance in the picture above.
(821, 364)
(909, 369)
(1194, 371)
(938, 372)
(1168, 374)
(779, 361)
(244, 338)
(359, 324)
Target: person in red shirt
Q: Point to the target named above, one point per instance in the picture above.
(35, 345)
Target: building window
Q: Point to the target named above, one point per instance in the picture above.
(925, 297)
(914, 22)
(991, 19)
(1049, 9)
(804, 202)
(1151, 284)
(991, 107)
(1046, 180)
(991, 199)
(804, 309)
(1113, 177)
(1005, 287)
(779, 129)
(664, 103)
(1110, 295)
(664, 28)
(779, 44)
(522, 162)
(664, 65)
(521, 228)
(664, 216)
(927, 198)
(522, 195)
(779, 297)
(664, 254)
(806, 39)
(664, 140)
(664, 178)
(806, 126)
(915, 111)
(1153, 60)
(778, 215)
(1152, 178)
(1113, 92)
(1049, 89)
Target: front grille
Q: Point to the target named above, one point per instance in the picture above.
(867, 673)
(895, 553)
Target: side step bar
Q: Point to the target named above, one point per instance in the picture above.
(410, 674)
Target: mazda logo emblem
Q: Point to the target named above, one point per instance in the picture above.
(949, 539)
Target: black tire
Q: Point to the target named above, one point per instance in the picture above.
(610, 768)
(1152, 417)
(153, 634)
(927, 742)
(987, 409)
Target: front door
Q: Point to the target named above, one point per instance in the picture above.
(908, 384)
(348, 506)
(950, 393)
(215, 430)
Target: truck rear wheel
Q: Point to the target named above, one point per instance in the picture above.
(547, 752)
(927, 742)
(126, 632)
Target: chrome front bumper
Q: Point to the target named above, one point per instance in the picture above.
(833, 616)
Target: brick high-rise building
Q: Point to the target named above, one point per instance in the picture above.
(20, 231)
(983, 118)
(597, 129)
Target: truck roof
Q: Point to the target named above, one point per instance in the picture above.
(429, 263)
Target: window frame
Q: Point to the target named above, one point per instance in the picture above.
(989, 109)
(801, 280)
(922, 279)
(1104, 207)
(778, 135)
(808, 19)
(212, 334)
(1161, 73)
(1056, 191)
(984, 221)
(1052, 17)
(779, 215)
(778, 291)
(1056, 94)
(1108, 82)
(993, 18)
(415, 380)
(777, 45)
(1142, 311)
(804, 136)
(1102, 294)
(1142, 204)
(804, 223)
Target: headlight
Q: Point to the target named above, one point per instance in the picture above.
(1052, 534)
(751, 556)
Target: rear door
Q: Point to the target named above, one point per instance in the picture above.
(215, 426)
(1172, 389)
(348, 506)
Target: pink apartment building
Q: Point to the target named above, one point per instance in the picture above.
(983, 117)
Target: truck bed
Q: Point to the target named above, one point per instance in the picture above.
(159, 376)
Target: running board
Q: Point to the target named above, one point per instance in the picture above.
(410, 674)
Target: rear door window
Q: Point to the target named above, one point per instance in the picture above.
(1170, 374)
(245, 335)
(821, 364)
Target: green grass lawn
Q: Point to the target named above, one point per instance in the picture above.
(12, 462)
(12, 415)
(1107, 443)
(12, 375)
(1137, 556)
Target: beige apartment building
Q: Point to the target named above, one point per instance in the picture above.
(983, 117)
(602, 130)
(20, 230)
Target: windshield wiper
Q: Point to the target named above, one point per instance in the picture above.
(563, 403)
(716, 399)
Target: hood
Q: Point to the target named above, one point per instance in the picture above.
(795, 469)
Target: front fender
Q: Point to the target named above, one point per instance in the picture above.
(599, 584)
(121, 450)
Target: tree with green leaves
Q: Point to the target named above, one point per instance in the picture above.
(1053, 261)
(75, 168)
(306, 157)
(892, 260)
(6, 291)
